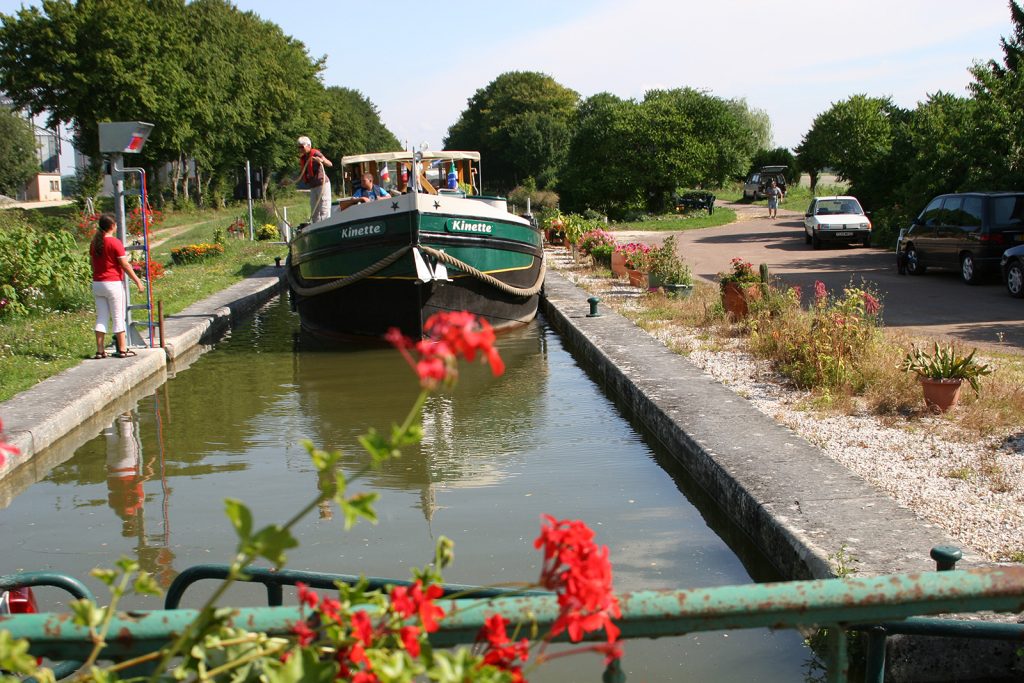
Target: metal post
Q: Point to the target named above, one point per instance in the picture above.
(160, 318)
(132, 337)
(248, 197)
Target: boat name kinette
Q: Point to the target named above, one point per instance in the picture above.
(362, 230)
(460, 225)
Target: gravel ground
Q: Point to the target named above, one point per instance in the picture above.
(973, 490)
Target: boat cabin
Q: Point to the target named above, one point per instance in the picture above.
(443, 172)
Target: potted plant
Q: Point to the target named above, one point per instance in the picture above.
(636, 262)
(667, 270)
(554, 229)
(739, 284)
(599, 245)
(943, 371)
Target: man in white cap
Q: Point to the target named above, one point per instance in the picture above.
(314, 177)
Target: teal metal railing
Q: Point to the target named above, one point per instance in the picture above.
(877, 605)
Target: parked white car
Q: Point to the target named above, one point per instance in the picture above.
(836, 219)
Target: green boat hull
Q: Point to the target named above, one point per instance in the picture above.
(356, 274)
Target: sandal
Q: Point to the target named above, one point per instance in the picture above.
(101, 354)
(124, 354)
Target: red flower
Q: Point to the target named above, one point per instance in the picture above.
(362, 628)
(331, 608)
(304, 632)
(820, 293)
(501, 652)
(448, 335)
(871, 305)
(307, 596)
(410, 636)
(579, 571)
(6, 449)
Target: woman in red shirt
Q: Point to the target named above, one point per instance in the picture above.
(109, 261)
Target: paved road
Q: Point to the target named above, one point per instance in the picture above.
(935, 305)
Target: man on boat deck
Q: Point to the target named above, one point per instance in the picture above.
(368, 191)
(313, 175)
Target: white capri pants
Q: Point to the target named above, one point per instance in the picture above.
(109, 305)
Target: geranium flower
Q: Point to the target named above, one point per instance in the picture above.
(307, 596)
(449, 334)
(304, 632)
(6, 449)
(579, 571)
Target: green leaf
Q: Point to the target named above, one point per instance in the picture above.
(271, 542)
(145, 584)
(359, 505)
(240, 517)
(106, 576)
(14, 656)
(87, 613)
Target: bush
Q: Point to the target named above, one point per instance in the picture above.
(596, 238)
(666, 266)
(193, 253)
(40, 269)
(267, 231)
(821, 348)
(539, 199)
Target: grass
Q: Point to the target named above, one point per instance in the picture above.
(40, 346)
(721, 216)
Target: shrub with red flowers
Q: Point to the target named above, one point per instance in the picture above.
(133, 222)
(822, 346)
(740, 272)
(360, 634)
(156, 269)
(193, 253)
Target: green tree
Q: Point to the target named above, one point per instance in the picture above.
(855, 137)
(520, 124)
(596, 174)
(628, 154)
(998, 90)
(352, 126)
(18, 162)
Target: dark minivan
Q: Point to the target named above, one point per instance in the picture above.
(968, 231)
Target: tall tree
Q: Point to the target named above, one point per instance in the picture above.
(999, 117)
(855, 137)
(18, 162)
(596, 174)
(520, 124)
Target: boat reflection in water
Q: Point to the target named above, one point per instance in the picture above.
(473, 433)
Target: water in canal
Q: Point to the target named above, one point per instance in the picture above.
(497, 453)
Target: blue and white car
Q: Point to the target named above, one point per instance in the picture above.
(836, 219)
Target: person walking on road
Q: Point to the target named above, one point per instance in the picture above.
(774, 194)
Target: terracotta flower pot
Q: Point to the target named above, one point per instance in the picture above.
(735, 297)
(618, 263)
(941, 394)
(637, 278)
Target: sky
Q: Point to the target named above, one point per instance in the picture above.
(419, 63)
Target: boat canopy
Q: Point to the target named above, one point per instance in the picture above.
(406, 155)
(435, 174)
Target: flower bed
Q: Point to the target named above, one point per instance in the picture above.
(193, 253)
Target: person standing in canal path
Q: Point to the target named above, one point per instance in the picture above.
(109, 264)
(314, 176)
